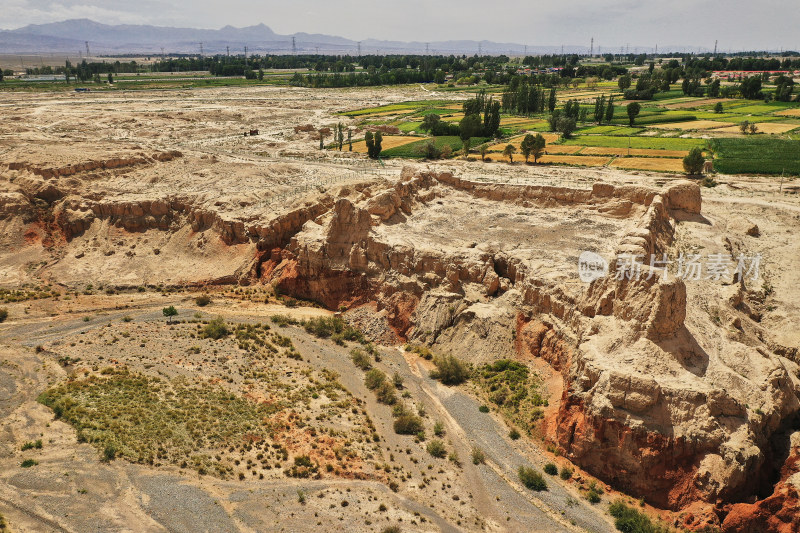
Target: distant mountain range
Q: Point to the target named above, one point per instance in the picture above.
(70, 36)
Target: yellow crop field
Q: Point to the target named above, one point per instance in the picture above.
(555, 159)
(789, 113)
(691, 125)
(603, 150)
(563, 149)
(649, 163)
(389, 141)
(515, 142)
(764, 127)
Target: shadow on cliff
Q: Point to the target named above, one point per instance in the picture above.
(685, 349)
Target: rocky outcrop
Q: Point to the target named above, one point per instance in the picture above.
(89, 166)
(777, 513)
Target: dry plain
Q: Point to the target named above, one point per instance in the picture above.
(117, 205)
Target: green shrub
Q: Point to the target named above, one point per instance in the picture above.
(385, 393)
(397, 381)
(109, 452)
(531, 479)
(215, 329)
(408, 424)
(374, 379)
(203, 300)
(566, 473)
(450, 370)
(360, 359)
(629, 520)
(478, 457)
(513, 434)
(592, 496)
(551, 469)
(483, 409)
(436, 448)
(438, 429)
(32, 445)
(328, 326)
(27, 463)
(391, 529)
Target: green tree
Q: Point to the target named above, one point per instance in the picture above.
(624, 82)
(610, 109)
(469, 127)
(169, 312)
(369, 140)
(340, 135)
(693, 163)
(110, 78)
(718, 108)
(538, 147)
(430, 122)
(633, 110)
(508, 152)
(483, 149)
(322, 138)
(350, 138)
(526, 146)
(551, 101)
(378, 147)
(599, 109)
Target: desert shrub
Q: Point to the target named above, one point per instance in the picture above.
(109, 452)
(360, 359)
(592, 496)
(422, 351)
(566, 473)
(551, 469)
(328, 326)
(450, 370)
(478, 457)
(531, 479)
(282, 320)
(391, 529)
(203, 300)
(483, 409)
(32, 445)
(629, 520)
(438, 429)
(397, 381)
(374, 379)
(436, 448)
(385, 393)
(27, 463)
(408, 424)
(513, 434)
(215, 329)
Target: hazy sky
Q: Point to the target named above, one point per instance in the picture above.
(737, 24)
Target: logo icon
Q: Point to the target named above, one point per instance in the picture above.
(591, 267)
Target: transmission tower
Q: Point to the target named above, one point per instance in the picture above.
(228, 51)
(591, 48)
(162, 53)
(479, 49)
(201, 49)
(245, 54)
(359, 48)
(715, 46)
(87, 49)
(427, 48)
(526, 50)
(294, 46)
